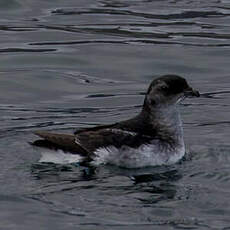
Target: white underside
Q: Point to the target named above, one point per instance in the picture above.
(145, 155)
(126, 157)
(59, 157)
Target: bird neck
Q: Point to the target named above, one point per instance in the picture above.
(166, 120)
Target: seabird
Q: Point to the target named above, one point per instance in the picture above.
(153, 137)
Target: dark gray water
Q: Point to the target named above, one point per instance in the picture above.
(69, 64)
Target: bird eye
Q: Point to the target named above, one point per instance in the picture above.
(164, 87)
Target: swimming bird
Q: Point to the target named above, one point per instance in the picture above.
(153, 137)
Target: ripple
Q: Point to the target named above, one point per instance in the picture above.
(17, 28)
(23, 50)
(182, 15)
(130, 41)
(216, 94)
(214, 123)
(79, 42)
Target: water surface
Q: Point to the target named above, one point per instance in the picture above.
(70, 64)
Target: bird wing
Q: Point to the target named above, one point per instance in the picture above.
(95, 128)
(87, 140)
(92, 140)
(85, 143)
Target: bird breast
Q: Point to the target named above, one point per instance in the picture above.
(145, 155)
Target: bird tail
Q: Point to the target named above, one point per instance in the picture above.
(55, 141)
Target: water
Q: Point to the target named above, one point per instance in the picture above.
(69, 64)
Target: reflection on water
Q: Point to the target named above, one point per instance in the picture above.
(73, 64)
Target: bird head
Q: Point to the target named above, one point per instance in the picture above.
(168, 90)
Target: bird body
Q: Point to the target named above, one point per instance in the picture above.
(153, 137)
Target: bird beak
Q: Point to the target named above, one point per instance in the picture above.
(190, 92)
